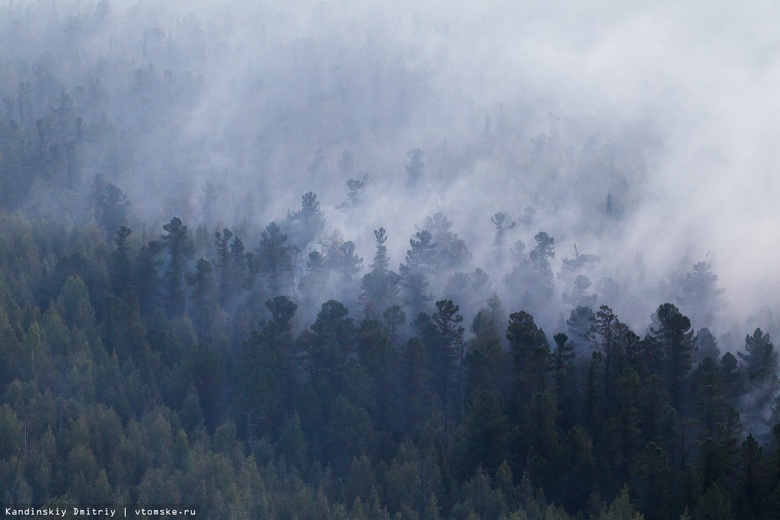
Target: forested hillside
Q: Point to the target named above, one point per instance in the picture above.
(306, 262)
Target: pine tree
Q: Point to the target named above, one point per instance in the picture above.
(531, 354)
(447, 354)
(308, 222)
(760, 357)
(606, 334)
(675, 337)
(273, 258)
(268, 367)
(222, 241)
(121, 275)
(419, 262)
(379, 288)
(201, 288)
(565, 384)
(180, 248)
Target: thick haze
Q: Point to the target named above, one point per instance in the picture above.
(670, 110)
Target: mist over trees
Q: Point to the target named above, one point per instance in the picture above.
(332, 260)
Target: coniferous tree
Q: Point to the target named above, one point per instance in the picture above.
(201, 286)
(326, 346)
(706, 346)
(268, 368)
(146, 281)
(414, 378)
(447, 354)
(485, 430)
(419, 262)
(109, 205)
(121, 275)
(565, 383)
(606, 334)
(237, 266)
(394, 317)
(675, 337)
(760, 357)
(377, 355)
(451, 250)
(486, 361)
(379, 287)
(500, 220)
(180, 248)
(273, 258)
(701, 297)
(531, 354)
(759, 364)
(222, 241)
(579, 326)
(307, 222)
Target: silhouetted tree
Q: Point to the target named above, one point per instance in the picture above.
(273, 258)
(121, 275)
(180, 248)
(675, 338)
(306, 223)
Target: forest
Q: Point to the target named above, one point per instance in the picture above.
(285, 262)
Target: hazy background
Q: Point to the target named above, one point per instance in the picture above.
(670, 110)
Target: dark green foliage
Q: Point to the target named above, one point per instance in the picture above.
(180, 248)
(224, 261)
(274, 260)
(485, 434)
(105, 396)
(531, 354)
(675, 339)
(486, 361)
(146, 277)
(565, 379)
(326, 346)
(447, 355)
(121, 274)
(760, 357)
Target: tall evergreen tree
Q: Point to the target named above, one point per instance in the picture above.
(273, 258)
(121, 275)
(379, 287)
(531, 354)
(222, 241)
(145, 281)
(420, 260)
(201, 288)
(180, 248)
(447, 354)
(675, 337)
(268, 368)
(701, 298)
(606, 334)
(760, 356)
(307, 222)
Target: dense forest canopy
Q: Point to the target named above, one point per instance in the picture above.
(343, 260)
